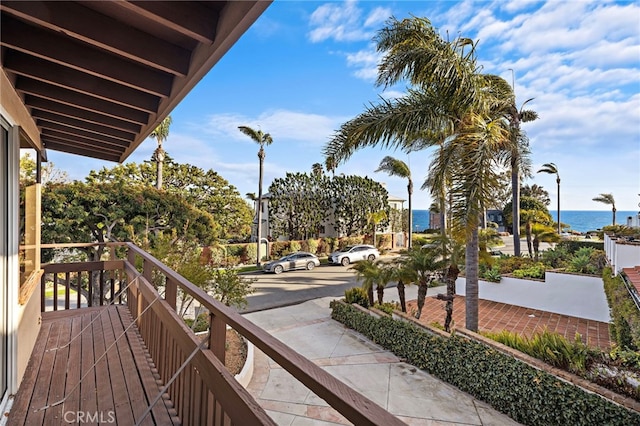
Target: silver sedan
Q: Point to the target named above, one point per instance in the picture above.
(297, 260)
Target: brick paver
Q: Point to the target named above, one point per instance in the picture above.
(495, 317)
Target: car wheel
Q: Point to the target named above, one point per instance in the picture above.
(345, 261)
(310, 266)
(371, 257)
(278, 269)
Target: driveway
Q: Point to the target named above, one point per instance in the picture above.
(293, 287)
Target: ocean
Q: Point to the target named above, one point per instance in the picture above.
(579, 220)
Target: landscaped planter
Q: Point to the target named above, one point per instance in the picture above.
(527, 393)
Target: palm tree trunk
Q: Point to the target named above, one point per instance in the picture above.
(559, 226)
(410, 233)
(471, 290)
(536, 248)
(259, 226)
(452, 276)
(380, 291)
(422, 294)
(370, 294)
(401, 296)
(515, 188)
(614, 215)
(528, 233)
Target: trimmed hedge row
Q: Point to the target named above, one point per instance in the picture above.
(572, 245)
(625, 328)
(526, 394)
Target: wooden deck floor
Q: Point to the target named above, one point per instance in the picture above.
(116, 390)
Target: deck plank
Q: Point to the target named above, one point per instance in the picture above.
(62, 367)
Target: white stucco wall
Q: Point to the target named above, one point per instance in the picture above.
(621, 254)
(574, 295)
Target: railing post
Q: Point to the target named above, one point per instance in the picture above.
(171, 293)
(217, 336)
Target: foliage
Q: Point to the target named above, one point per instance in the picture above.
(298, 205)
(526, 394)
(387, 307)
(207, 191)
(625, 328)
(357, 295)
(537, 192)
(202, 323)
(556, 257)
(84, 212)
(294, 246)
(536, 271)
(230, 288)
(313, 244)
(571, 246)
(551, 348)
(491, 274)
(355, 198)
(510, 264)
(581, 261)
(249, 252)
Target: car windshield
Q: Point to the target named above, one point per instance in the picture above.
(348, 248)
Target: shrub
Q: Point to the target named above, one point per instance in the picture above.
(491, 274)
(510, 264)
(524, 393)
(357, 295)
(250, 252)
(556, 258)
(202, 323)
(625, 328)
(279, 249)
(571, 246)
(387, 307)
(419, 240)
(312, 245)
(294, 246)
(383, 241)
(535, 271)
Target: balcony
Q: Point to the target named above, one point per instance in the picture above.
(117, 352)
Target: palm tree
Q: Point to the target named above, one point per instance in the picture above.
(367, 272)
(542, 233)
(316, 169)
(374, 219)
(160, 134)
(331, 165)
(450, 105)
(421, 267)
(395, 167)
(263, 139)
(553, 169)
(608, 199)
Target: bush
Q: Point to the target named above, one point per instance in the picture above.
(510, 264)
(312, 245)
(202, 323)
(572, 246)
(294, 246)
(357, 295)
(387, 307)
(535, 271)
(625, 328)
(491, 274)
(524, 393)
(279, 249)
(556, 258)
(250, 253)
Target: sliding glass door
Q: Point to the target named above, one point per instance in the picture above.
(4, 248)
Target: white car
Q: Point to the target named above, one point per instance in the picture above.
(297, 260)
(354, 253)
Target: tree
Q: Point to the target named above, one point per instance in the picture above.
(532, 211)
(535, 191)
(205, 190)
(331, 165)
(395, 167)
(367, 272)
(316, 169)
(354, 198)
(160, 134)
(374, 219)
(262, 139)
(298, 205)
(49, 172)
(542, 233)
(450, 105)
(422, 267)
(551, 168)
(608, 199)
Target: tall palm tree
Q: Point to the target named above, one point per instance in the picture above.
(551, 168)
(542, 233)
(519, 158)
(160, 134)
(608, 199)
(316, 169)
(262, 139)
(331, 165)
(395, 167)
(368, 273)
(450, 105)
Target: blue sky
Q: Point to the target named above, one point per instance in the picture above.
(304, 68)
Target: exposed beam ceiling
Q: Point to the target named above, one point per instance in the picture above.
(98, 76)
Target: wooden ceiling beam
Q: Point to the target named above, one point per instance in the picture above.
(79, 100)
(48, 72)
(42, 104)
(198, 22)
(55, 145)
(47, 45)
(74, 139)
(83, 125)
(96, 29)
(48, 125)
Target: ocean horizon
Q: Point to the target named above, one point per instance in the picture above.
(578, 220)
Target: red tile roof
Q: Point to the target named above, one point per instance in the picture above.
(634, 276)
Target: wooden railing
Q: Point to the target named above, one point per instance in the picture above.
(202, 390)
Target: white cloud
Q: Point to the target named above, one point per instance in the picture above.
(338, 21)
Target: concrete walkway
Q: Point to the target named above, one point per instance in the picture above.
(416, 397)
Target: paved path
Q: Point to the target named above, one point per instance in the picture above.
(414, 396)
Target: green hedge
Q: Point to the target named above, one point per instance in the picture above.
(625, 328)
(527, 395)
(572, 245)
